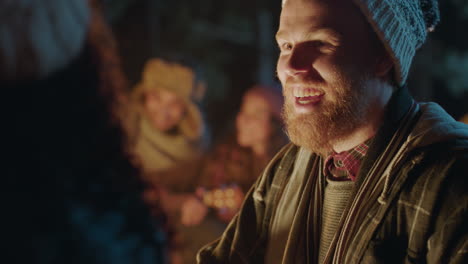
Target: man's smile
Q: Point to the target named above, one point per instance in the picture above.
(305, 98)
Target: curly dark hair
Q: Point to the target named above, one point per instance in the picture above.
(73, 196)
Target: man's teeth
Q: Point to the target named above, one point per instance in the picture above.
(306, 101)
(305, 93)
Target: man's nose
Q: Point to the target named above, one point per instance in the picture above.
(300, 61)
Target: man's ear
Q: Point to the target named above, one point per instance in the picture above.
(384, 65)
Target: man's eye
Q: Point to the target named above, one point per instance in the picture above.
(323, 46)
(320, 44)
(286, 46)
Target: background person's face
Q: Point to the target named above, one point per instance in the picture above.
(327, 57)
(164, 109)
(253, 121)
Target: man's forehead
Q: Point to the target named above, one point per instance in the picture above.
(329, 6)
(333, 6)
(319, 13)
(284, 2)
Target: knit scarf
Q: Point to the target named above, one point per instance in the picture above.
(159, 150)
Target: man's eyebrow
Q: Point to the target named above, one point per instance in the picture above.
(329, 33)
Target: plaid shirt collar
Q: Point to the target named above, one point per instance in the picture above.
(345, 165)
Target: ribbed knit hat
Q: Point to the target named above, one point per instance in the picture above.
(402, 26)
(38, 37)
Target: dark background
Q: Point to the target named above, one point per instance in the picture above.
(233, 43)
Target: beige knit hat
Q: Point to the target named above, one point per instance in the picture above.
(402, 26)
(41, 36)
(160, 74)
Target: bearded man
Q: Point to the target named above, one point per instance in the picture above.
(371, 175)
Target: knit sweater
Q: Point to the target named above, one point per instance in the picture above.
(158, 150)
(336, 197)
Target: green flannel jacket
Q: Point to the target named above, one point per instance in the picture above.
(409, 204)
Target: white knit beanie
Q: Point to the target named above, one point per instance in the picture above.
(402, 25)
(38, 37)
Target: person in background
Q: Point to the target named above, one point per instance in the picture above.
(230, 169)
(371, 175)
(72, 194)
(259, 127)
(239, 159)
(168, 128)
(166, 131)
